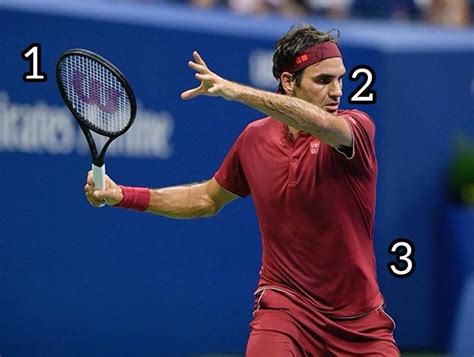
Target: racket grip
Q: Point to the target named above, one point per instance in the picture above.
(98, 176)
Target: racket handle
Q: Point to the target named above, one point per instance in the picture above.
(98, 176)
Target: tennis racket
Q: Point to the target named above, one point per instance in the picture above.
(99, 97)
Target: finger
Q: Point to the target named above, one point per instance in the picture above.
(109, 184)
(89, 190)
(90, 180)
(203, 77)
(91, 199)
(191, 93)
(198, 67)
(213, 89)
(198, 58)
(99, 196)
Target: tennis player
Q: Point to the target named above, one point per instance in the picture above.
(311, 169)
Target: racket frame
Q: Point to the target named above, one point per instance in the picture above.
(97, 158)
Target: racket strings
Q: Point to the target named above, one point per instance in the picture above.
(96, 94)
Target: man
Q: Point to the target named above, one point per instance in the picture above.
(311, 170)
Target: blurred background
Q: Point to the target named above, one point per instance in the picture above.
(78, 281)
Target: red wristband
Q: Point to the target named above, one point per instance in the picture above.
(137, 198)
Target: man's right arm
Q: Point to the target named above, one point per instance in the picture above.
(186, 201)
(189, 201)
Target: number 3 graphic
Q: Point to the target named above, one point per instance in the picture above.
(404, 250)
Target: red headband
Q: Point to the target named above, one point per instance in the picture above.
(317, 53)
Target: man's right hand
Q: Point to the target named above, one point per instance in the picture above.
(111, 195)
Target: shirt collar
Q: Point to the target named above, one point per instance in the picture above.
(287, 133)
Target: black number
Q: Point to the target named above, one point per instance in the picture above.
(33, 54)
(364, 93)
(404, 250)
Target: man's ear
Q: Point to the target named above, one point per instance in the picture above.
(287, 82)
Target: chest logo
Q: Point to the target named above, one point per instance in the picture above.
(314, 147)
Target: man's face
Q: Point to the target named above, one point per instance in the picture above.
(321, 84)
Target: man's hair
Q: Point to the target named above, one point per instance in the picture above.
(297, 39)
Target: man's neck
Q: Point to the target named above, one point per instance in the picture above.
(294, 132)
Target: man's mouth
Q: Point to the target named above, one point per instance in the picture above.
(332, 107)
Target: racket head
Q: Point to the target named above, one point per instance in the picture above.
(96, 92)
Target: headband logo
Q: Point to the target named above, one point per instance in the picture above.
(301, 59)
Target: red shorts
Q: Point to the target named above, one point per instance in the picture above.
(284, 325)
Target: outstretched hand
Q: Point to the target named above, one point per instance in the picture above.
(211, 83)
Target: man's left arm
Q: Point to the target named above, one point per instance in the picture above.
(291, 111)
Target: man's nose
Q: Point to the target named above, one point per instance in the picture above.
(336, 89)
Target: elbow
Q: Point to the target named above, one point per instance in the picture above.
(214, 209)
(211, 209)
(320, 130)
(323, 127)
(317, 126)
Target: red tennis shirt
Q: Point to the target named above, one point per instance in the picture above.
(315, 207)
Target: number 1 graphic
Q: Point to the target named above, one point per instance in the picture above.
(33, 54)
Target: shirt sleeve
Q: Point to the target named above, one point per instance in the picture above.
(231, 175)
(362, 153)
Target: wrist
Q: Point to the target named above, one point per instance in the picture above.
(232, 92)
(136, 198)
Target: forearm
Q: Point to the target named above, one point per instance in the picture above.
(188, 201)
(291, 111)
(294, 112)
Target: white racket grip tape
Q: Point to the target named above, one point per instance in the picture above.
(98, 176)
